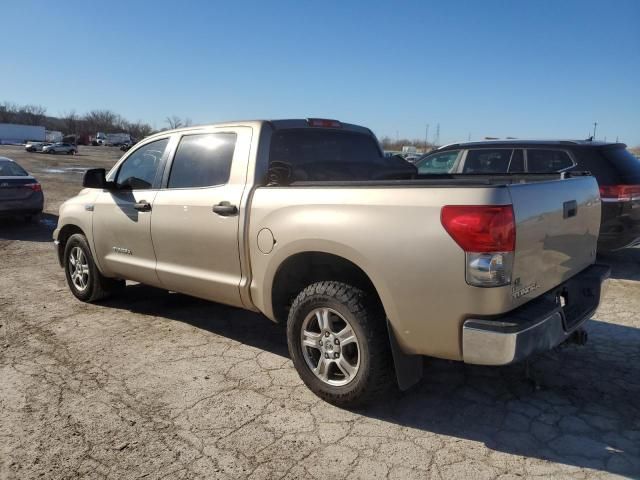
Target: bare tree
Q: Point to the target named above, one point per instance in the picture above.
(8, 112)
(396, 145)
(101, 120)
(32, 114)
(71, 122)
(174, 121)
(139, 130)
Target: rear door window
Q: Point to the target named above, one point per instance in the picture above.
(488, 160)
(202, 160)
(544, 161)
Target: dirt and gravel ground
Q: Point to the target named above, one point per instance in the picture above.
(159, 385)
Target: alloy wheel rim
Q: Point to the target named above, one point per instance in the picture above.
(330, 346)
(79, 269)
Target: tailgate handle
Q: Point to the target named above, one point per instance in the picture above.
(570, 209)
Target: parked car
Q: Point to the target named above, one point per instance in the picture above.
(20, 193)
(368, 267)
(35, 146)
(615, 168)
(68, 148)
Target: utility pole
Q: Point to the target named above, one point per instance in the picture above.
(469, 137)
(437, 140)
(595, 125)
(426, 138)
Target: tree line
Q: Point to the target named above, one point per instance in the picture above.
(87, 124)
(396, 145)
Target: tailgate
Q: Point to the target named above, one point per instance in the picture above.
(557, 226)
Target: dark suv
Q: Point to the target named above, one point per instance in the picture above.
(615, 168)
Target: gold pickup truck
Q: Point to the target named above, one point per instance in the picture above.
(370, 265)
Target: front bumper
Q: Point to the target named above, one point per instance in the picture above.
(537, 326)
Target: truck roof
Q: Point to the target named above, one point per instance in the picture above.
(276, 124)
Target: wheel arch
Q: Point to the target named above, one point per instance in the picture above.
(300, 269)
(63, 236)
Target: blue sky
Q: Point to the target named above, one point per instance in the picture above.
(485, 68)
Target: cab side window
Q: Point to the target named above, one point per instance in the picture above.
(541, 161)
(202, 160)
(139, 170)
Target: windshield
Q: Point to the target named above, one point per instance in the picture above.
(440, 162)
(306, 154)
(11, 169)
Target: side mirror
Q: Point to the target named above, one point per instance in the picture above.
(95, 178)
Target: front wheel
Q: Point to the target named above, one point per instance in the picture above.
(339, 344)
(83, 277)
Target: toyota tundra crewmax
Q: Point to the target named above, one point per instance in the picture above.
(370, 265)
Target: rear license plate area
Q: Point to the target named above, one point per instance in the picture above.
(575, 303)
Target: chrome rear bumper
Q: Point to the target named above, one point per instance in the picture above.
(538, 325)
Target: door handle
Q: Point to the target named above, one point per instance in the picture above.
(225, 209)
(142, 206)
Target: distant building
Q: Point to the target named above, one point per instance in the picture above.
(11, 133)
(53, 136)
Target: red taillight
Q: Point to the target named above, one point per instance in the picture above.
(619, 193)
(36, 187)
(480, 228)
(323, 123)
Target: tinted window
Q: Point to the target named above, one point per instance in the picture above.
(627, 165)
(202, 160)
(442, 162)
(139, 170)
(307, 154)
(547, 160)
(10, 169)
(300, 146)
(487, 161)
(516, 165)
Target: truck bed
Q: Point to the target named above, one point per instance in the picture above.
(392, 230)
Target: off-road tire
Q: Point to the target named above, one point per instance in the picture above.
(376, 372)
(98, 286)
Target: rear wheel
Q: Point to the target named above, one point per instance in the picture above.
(83, 277)
(339, 344)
